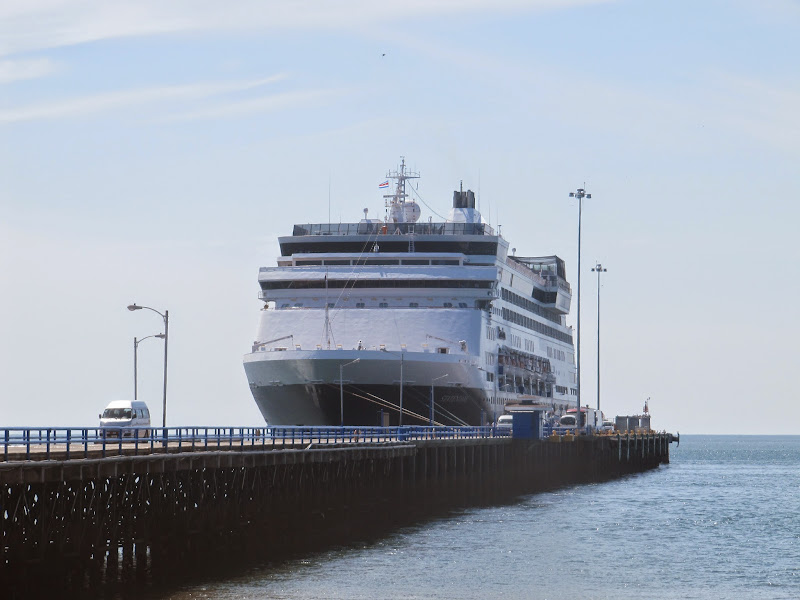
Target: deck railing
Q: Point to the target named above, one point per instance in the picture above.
(381, 228)
(64, 443)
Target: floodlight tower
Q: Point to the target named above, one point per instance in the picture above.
(580, 195)
(599, 269)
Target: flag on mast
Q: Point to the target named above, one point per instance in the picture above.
(385, 184)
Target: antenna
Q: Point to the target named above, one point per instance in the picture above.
(395, 203)
(401, 176)
(479, 190)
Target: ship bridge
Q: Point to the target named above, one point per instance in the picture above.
(548, 278)
(366, 236)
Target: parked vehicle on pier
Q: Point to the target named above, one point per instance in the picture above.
(505, 423)
(590, 417)
(123, 418)
(568, 421)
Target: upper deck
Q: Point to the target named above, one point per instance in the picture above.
(383, 228)
(374, 236)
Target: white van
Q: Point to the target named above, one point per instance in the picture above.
(568, 421)
(125, 417)
(505, 423)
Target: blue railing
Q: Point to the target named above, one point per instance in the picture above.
(46, 443)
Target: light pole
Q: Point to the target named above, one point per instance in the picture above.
(435, 379)
(402, 357)
(580, 195)
(136, 343)
(341, 389)
(165, 316)
(599, 269)
(402, 360)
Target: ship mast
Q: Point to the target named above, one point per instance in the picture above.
(395, 202)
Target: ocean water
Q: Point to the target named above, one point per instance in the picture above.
(721, 521)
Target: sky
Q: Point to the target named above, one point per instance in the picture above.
(153, 152)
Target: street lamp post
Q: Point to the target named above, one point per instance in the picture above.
(435, 379)
(400, 422)
(580, 195)
(165, 316)
(402, 360)
(599, 269)
(136, 343)
(341, 389)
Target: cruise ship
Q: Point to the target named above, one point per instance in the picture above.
(404, 321)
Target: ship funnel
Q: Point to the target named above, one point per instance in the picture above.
(463, 199)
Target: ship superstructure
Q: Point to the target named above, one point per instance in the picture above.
(396, 321)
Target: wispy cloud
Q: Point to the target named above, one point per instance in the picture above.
(257, 105)
(763, 110)
(28, 25)
(78, 107)
(16, 70)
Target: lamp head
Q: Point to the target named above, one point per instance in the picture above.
(160, 336)
(134, 307)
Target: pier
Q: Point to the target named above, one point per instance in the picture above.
(80, 511)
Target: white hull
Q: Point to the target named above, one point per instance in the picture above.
(293, 387)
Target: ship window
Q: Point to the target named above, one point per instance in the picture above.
(384, 305)
(331, 304)
(448, 305)
(442, 350)
(285, 305)
(462, 305)
(359, 305)
(373, 283)
(415, 262)
(337, 262)
(413, 304)
(444, 262)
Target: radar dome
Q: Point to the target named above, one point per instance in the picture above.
(411, 212)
